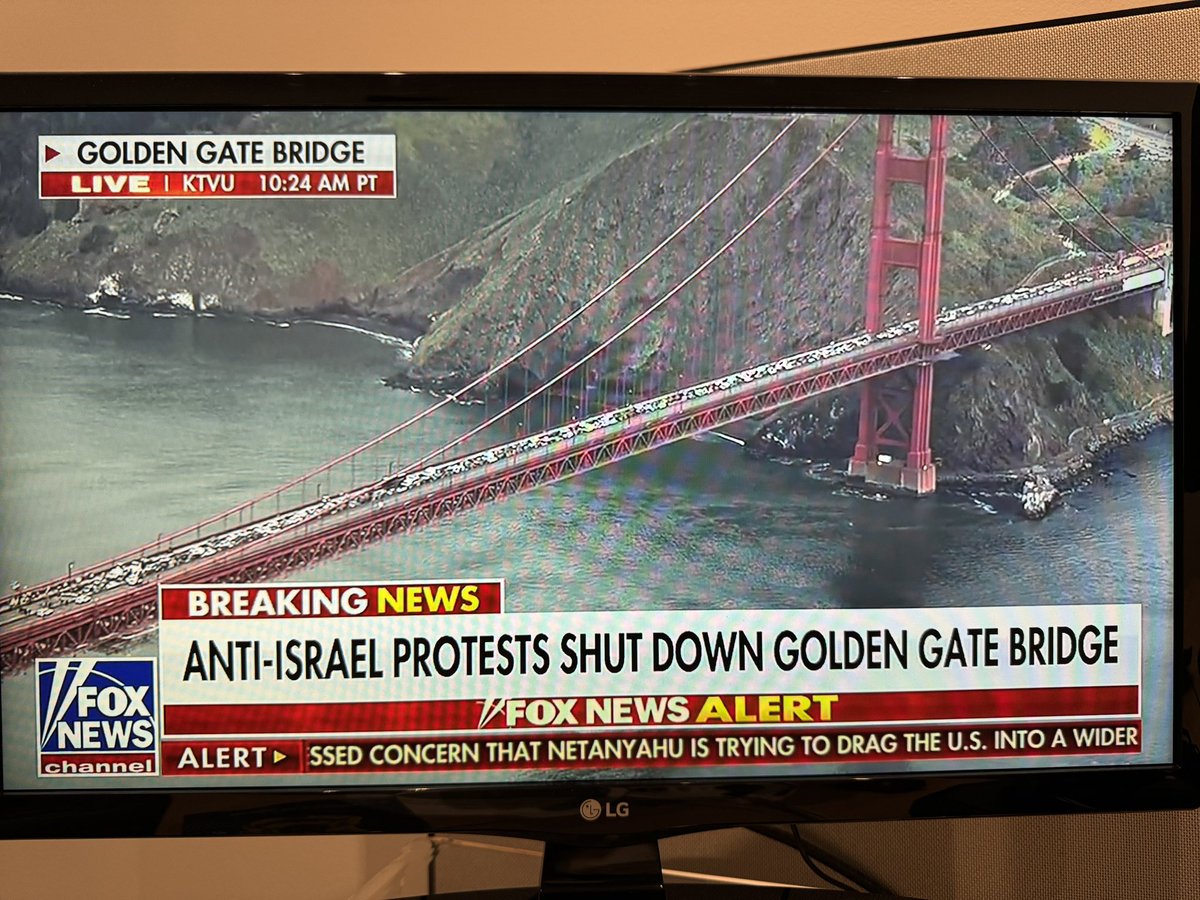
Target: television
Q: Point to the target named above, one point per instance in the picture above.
(590, 458)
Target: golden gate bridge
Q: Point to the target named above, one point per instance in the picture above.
(301, 523)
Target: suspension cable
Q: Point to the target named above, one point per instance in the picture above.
(517, 354)
(1075, 228)
(645, 314)
(1130, 241)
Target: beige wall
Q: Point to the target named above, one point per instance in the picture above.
(1148, 856)
(494, 35)
(1155, 47)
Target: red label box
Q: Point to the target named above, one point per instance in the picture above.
(268, 601)
(400, 716)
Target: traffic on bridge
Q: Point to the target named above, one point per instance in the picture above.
(402, 501)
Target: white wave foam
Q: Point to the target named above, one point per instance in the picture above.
(380, 336)
(713, 437)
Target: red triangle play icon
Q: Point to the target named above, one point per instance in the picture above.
(51, 153)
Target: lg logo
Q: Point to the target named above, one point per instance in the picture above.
(591, 810)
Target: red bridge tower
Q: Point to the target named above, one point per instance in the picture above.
(894, 415)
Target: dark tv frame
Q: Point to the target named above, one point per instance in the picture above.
(656, 807)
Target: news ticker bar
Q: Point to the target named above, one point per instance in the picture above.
(216, 166)
(712, 710)
(668, 749)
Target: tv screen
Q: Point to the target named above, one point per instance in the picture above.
(554, 438)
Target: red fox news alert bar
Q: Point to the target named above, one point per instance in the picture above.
(216, 166)
(426, 677)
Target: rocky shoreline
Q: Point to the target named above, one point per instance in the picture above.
(179, 305)
(1039, 489)
(1033, 491)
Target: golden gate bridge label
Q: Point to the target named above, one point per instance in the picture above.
(417, 678)
(216, 166)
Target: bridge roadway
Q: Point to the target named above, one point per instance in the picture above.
(65, 614)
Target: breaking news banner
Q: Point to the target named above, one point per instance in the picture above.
(216, 166)
(435, 676)
(304, 601)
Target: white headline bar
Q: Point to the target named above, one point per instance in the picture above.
(227, 661)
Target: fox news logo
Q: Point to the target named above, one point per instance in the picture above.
(97, 716)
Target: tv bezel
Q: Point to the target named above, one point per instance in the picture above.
(660, 806)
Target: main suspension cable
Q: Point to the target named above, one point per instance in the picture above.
(641, 317)
(517, 354)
